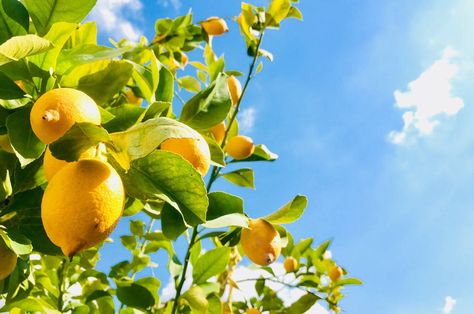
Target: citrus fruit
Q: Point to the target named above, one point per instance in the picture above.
(132, 98)
(57, 110)
(214, 26)
(239, 147)
(252, 311)
(290, 264)
(235, 89)
(335, 273)
(5, 143)
(7, 260)
(261, 242)
(195, 151)
(82, 205)
(218, 131)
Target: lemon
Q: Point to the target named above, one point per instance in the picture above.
(193, 150)
(57, 110)
(235, 89)
(82, 205)
(132, 98)
(239, 147)
(5, 143)
(214, 26)
(252, 311)
(290, 264)
(7, 260)
(335, 273)
(218, 131)
(52, 165)
(261, 242)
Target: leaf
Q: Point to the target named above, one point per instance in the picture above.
(8, 88)
(289, 212)
(277, 11)
(211, 264)
(20, 244)
(217, 154)
(29, 177)
(349, 281)
(189, 83)
(13, 18)
(208, 107)
(294, 12)
(261, 153)
(31, 304)
(238, 220)
(321, 249)
(221, 204)
(18, 47)
(156, 109)
(152, 285)
(167, 176)
(215, 305)
(125, 116)
(77, 140)
(165, 89)
(196, 299)
(135, 295)
(147, 77)
(172, 222)
(27, 146)
(47, 12)
(241, 177)
(303, 304)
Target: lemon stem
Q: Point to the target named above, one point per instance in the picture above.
(51, 115)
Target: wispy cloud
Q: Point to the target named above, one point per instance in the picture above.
(175, 4)
(114, 16)
(428, 97)
(247, 119)
(449, 304)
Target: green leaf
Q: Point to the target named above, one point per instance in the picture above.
(27, 146)
(172, 222)
(277, 11)
(125, 116)
(147, 77)
(294, 12)
(8, 88)
(261, 153)
(77, 140)
(135, 296)
(208, 107)
(215, 305)
(167, 176)
(321, 249)
(241, 177)
(129, 242)
(156, 109)
(189, 83)
(152, 285)
(289, 212)
(349, 281)
(221, 204)
(165, 90)
(211, 264)
(303, 304)
(31, 304)
(47, 12)
(13, 18)
(217, 154)
(18, 47)
(196, 299)
(238, 220)
(20, 244)
(29, 177)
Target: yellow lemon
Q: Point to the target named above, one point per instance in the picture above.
(239, 147)
(193, 150)
(335, 273)
(132, 98)
(5, 143)
(252, 311)
(261, 242)
(82, 205)
(290, 264)
(214, 26)
(218, 131)
(52, 165)
(57, 110)
(235, 89)
(7, 260)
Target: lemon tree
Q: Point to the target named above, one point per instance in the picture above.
(91, 135)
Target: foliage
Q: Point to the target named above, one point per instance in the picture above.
(44, 45)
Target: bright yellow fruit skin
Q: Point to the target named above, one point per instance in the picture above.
(52, 165)
(57, 110)
(5, 144)
(261, 242)
(82, 205)
(290, 264)
(214, 26)
(132, 98)
(219, 132)
(235, 89)
(239, 147)
(7, 260)
(252, 311)
(193, 150)
(335, 273)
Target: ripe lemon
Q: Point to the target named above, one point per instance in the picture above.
(132, 98)
(52, 165)
(219, 132)
(252, 311)
(7, 260)
(235, 89)
(5, 143)
(82, 205)
(261, 242)
(335, 273)
(193, 150)
(239, 147)
(214, 26)
(290, 264)
(57, 110)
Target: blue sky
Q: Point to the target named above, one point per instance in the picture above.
(399, 208)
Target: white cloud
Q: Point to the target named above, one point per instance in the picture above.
(247, 119)
(449, 304)
(176, 4)
(428, 97)
(112, 16)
